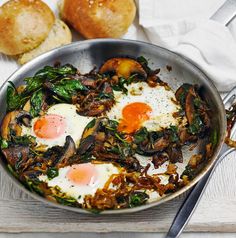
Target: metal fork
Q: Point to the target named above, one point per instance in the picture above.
(224, 15)
(193, 198)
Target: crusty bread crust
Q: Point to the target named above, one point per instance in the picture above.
(59, 35)
(99, 18)
(24, 24)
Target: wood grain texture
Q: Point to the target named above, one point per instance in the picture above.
(215, 213)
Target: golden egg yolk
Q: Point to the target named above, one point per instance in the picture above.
(82, 174)
(133, 115)
(50, 126)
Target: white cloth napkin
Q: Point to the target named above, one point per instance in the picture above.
(183, 26)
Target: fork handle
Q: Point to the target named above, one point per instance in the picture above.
(192, 200)
(226, 12)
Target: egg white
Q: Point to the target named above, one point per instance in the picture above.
(158, 98)
(78, 191)
(75, 125)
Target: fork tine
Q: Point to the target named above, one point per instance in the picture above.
(233, 131)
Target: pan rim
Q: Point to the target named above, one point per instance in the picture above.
(209, 165)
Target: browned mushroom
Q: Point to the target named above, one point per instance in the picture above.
(189, 105)
(175, 153)
(16, 156)
(159, 158)
(92, 127)
(148, 148)
(181, 92)
(69, 150)
(12, 122)
(123, 67)
(195, 160)
(89, 135)
(185, 137)
(97, 101)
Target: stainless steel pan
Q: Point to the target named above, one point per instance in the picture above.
(87, 54)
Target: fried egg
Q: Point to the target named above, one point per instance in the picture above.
(60, 121)
(144, 106)
(80, 180)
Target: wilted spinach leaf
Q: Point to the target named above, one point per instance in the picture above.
(120, 86)
(174, 134)
(50, 74)
(143, 61)
(140, 135)
(66, 89)
(67, 201)
(91, 124)
(3, 143)
(22, 140)
(14, 100)
(111, 125)
(52, 173)
(214, 137)
(36, 103)
(105, 96)
(53, 72)
(137, 198)
(189, 171)
(196, 126)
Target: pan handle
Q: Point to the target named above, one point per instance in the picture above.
(191, 201)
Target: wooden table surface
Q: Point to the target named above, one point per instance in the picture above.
(215, 213)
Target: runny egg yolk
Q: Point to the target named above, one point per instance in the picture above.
(82, 174)
(50, 126)
(133, 115)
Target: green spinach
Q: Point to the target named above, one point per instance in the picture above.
(214, 137)
(22, 140)
(143, 61)
(120, 86)
(36, 103)
(140, 135)
(3, 143)
(137, 198)
(173, 134)
(91, 124)
(196, 126)
(52, 173)
(68, 201)
(189, 171)
(48, 73)
(14, 99)
(66, 89)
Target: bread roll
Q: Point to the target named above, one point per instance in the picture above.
(59, 35)
(24, 24)
(99, 18)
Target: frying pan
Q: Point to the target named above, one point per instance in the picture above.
(87, 54)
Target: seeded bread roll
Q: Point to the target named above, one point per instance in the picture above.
(59, 35)
(24, 24)
(99, 18)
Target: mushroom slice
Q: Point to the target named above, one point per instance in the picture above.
(181, 92)
(175, 153)
(12, 121)
(89, 136)
(68, 151)
(17, 156)
(123, 67)
(93, 127)
(24, 117)
(189, 105)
